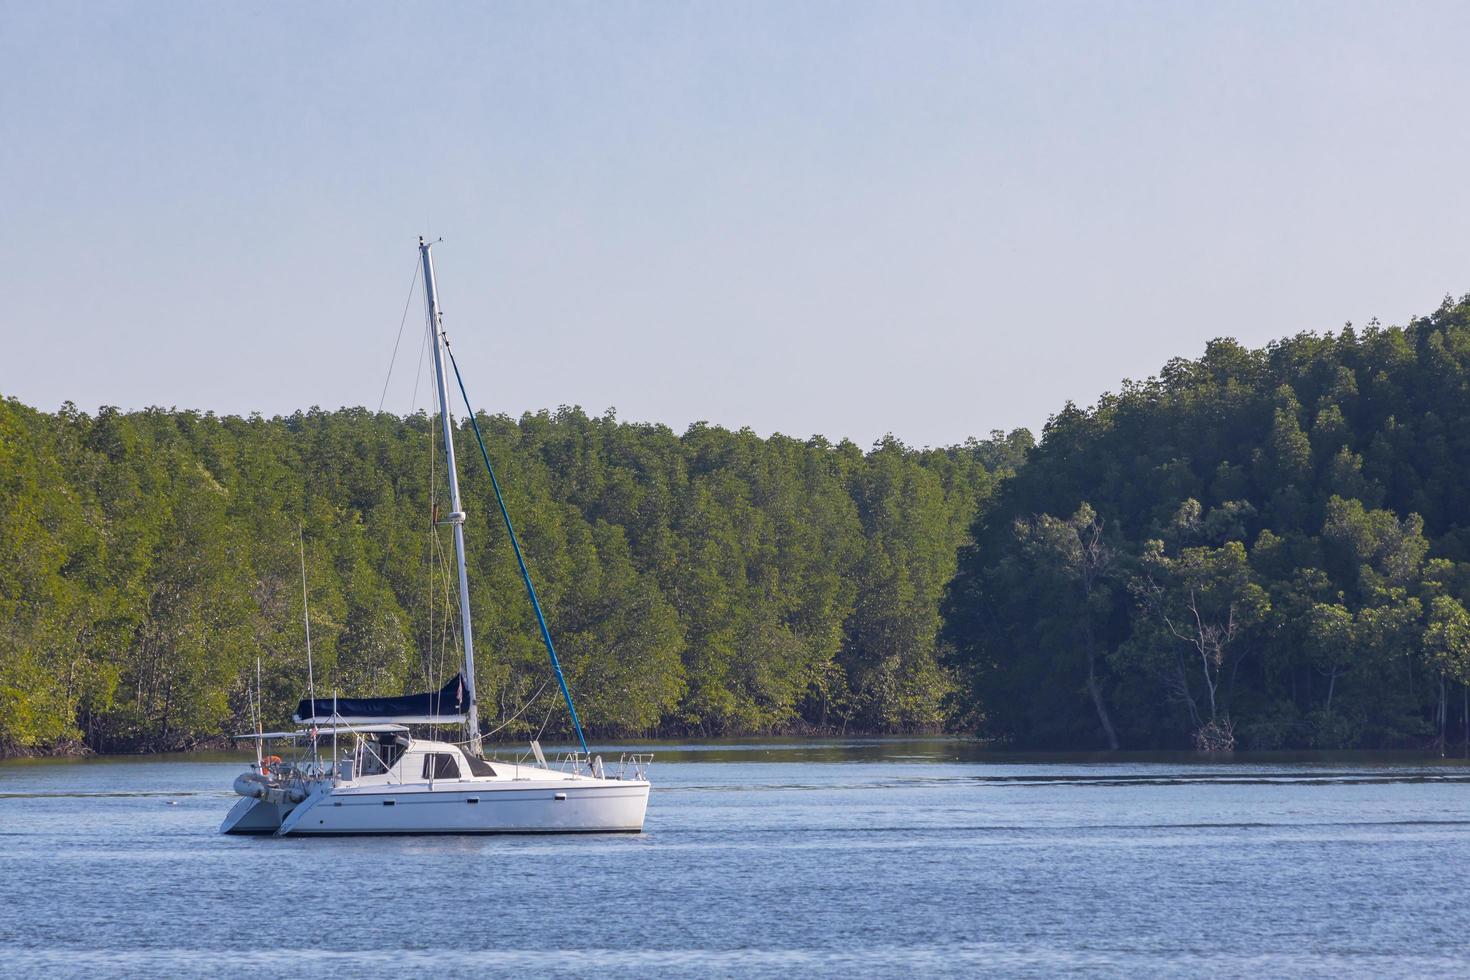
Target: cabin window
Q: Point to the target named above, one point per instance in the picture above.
(441, 765)
(369, 763)
(377, 756)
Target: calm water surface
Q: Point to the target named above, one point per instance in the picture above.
(868, 858)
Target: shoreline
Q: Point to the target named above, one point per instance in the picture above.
(80, 750)
(794, 747)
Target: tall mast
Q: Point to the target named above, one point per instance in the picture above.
(456, 516)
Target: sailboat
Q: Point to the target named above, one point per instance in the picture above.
(357, 766)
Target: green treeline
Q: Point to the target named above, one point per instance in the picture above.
(710, 582)
(1261, 548)
(1258, 548)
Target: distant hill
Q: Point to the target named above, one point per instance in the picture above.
(1266, 548)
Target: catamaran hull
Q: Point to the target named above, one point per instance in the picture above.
(250, 816)
(562, 808)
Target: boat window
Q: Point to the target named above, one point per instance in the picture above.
(441, 765)
(378, 756)
(369, 762)
(391, 748)
(478, 766)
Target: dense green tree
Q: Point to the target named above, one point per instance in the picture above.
(1073, 563)
(1200, 608)
(1267, 547)
(1294, 525)
(713, 582)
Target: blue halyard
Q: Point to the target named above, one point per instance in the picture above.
(520, 560)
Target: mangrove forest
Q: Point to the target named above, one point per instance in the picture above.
(1253, 549)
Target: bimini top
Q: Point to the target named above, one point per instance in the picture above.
(446, 706)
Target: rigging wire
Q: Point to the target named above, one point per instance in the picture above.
(417, 377)
(306, 615)
(520, 559)
(402, 320)
(446, 635)
(413, 400)
(542, 730)
(440, 644)
(437, 648)
(259, 711)
(519, 711)
(432, 540)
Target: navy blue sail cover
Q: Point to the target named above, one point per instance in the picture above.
(449, 702)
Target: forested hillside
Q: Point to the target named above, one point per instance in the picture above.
(712, 582)
(1259, 547)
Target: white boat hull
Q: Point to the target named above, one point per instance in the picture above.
(492, 807)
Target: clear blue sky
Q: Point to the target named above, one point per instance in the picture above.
(924, 218)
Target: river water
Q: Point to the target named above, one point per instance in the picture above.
(853, 858)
